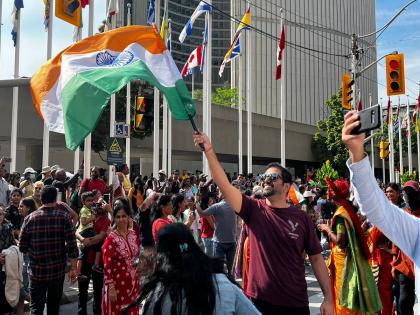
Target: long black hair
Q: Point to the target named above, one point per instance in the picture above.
(176, 201)
(162, 201)
(183, 273)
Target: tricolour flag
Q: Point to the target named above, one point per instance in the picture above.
(72, 89)
(194, 60)
(234, 48)
(280, 50)
(294, 195)
(201, 8)
(18, 4)
(151, 12)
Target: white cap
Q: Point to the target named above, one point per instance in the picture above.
(29, 170)
(308, 193)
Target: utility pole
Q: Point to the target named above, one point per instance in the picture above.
(354, 61)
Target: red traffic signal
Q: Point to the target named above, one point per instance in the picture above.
(395, 80)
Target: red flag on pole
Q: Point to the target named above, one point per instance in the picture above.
(83, 3)
(388, 112)
(280, 49)
(359, 105)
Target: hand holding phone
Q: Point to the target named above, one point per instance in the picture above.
(369, 118)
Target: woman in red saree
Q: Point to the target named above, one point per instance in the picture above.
(120, 249)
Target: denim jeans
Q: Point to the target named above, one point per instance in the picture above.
(208, 246)
(24, 291)
(225, 251)
(46, 292)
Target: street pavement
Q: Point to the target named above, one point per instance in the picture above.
(70, 296)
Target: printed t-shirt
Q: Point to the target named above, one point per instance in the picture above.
(101, 224)
(278, 238)
(92, 184)
(87, 214)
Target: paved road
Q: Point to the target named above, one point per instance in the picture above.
(314, 292)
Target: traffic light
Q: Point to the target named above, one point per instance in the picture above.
(383, 149)
(395, 80)
(346, 91)
(139, 112)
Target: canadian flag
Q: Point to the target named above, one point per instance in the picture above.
(280, 49)
(194, 60)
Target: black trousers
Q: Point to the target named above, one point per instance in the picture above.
(407, 295)
(269, 309)
(98, 280)
(49, 292)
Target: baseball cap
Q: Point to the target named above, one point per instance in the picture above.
(412, 184)
(162, 172)
(29, 170)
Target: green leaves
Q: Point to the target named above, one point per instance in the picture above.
(327, 144)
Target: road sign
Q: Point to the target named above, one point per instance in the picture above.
(121, 130)
(115, 151)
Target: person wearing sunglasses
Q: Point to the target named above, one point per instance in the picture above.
(278, 235)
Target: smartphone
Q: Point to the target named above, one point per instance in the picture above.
(370, 119)
(106, 198)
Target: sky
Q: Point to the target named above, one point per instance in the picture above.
(403, 35)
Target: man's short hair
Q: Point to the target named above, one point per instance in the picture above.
(48, 194)
(285, 174)
(87, 194)
(17, 191)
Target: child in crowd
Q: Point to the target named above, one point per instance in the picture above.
(85, 230)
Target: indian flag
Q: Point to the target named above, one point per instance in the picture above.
(72, 89)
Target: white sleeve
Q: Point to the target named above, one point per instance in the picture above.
(399, 226)
(243, 305)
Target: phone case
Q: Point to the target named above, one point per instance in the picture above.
(369, 120)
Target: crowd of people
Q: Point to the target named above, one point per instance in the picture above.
(191, 244)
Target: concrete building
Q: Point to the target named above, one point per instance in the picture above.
(318, 43)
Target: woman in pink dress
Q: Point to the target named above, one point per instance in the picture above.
(120, 249)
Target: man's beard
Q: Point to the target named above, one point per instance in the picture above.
(268, 192)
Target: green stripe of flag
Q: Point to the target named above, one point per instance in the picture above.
(86, 95)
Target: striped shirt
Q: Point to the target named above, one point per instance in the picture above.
(48, 237)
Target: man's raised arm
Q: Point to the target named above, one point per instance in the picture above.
(232, 195)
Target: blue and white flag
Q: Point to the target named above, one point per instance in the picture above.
(151, 12)
(15, 17)
(201, 8)
(204, 45)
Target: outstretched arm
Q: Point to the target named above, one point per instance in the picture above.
(400, 227)
(232, 195)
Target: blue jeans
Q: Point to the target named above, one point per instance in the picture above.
(24, 291)
(225, 251)
(208, 246)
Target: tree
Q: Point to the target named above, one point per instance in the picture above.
(327, 144)
(225, 96)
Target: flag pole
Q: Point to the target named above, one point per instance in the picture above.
(418, 141)
(249, 99)
(240, 99)
(128, 107)
(169, 114)
(410, 153)
(165, 102)
(282, 105)
(400, 139)
(391, 146)
(156, 105)
(112, 108)
(382, 132)
(88, 140)
(209, 55)
(232, 33)
(46, 132)
(76, 162)
(1, 22)
(13, 143)
(372, 146)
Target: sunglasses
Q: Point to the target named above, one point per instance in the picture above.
(272, 177)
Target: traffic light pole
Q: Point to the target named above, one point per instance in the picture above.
(354, 60)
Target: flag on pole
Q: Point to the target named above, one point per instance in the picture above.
(151, 12)
(416, 115)
(396, 126)
(169, 36)
(72, 89)
(204, 45)
(397, 114)
(84, 3)
(359, 105)
(388, 112)
(294, 195)
(201, 8)
(234, 48)
(46, 14)
(280, 50)
(113, 7)
(164, 25)
(18, 4)
(194, 60)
